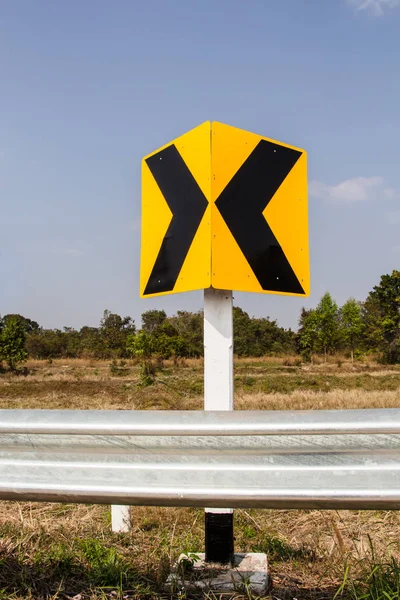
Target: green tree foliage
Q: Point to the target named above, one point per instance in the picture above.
(1, 332)
(327, 314)
(50, 343)
(372, 337)
(188, 329)
(319, 328)
(351, 325)
(169, 344)
(259, 337)
(384, 302)
(12, 341)
(91, 344)
(141, 346)
(28, 325)
(152, 320)
(308, 334)
(177, 336)
(106, 341)
(114, 331)
(373, 326)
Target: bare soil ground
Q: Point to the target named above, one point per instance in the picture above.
(68, 551)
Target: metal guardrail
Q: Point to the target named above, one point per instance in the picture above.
(190, 422)
(260, 459)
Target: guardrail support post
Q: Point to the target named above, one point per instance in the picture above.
(121, 518)
(218, 395)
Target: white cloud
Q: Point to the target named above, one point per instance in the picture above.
(350, 190)
(375, 8)
(69, 251)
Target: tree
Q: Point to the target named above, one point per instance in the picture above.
(308, 333)
(47, 343)
(327, 315)
(177, 336)
(351, 324)
(241, 332)
(72, 342)
(91, 342)
(12, 342)
(259, 336)
(168, 343)
(153, 319)
(385, 298)
(140, 346)
(29, 325)
(189, 327)
(114, 331)
(372, 336)
(1, 331)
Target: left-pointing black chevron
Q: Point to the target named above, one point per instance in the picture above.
(187, 203)
(242, 203)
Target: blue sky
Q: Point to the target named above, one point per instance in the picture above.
(88, 88)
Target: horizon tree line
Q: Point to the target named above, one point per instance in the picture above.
(356, 328)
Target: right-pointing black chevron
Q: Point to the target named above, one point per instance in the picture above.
(187, 203)
(242, 203)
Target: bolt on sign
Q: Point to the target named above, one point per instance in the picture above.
(225, 208)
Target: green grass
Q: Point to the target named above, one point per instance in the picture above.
(381, 581)
(67, 566)
(278, 549)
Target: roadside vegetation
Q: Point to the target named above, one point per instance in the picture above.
(341, 357)
(68, 551)
(356, 330)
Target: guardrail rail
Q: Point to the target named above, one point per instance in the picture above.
(260, 459)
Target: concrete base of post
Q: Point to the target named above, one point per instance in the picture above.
(247, 574)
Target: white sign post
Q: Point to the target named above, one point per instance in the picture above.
(218, 395)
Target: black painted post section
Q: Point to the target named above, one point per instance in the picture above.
(219, 537)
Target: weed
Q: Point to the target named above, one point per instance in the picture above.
(118, 370)
(149, 525)
(186, 563)
(247, 382)
(105, 564)
(380, 582)
(147, 373)
(279, 550)
(249, 532)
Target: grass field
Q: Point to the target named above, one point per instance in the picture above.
(68, 551)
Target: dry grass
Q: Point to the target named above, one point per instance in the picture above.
(63, 551)
(307, 549)
(263, 383)
(309, 400)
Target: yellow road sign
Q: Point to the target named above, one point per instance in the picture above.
(176, 216)
(259, 221)
(226, 208)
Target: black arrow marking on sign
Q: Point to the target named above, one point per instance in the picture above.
(242, 203)
(188, 205)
